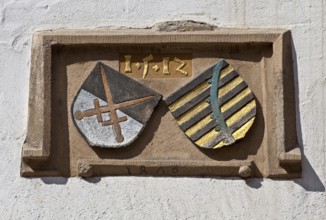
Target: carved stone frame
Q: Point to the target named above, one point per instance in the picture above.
(280, 154)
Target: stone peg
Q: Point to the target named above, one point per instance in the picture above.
(245, 171)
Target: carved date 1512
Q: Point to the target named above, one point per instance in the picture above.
(157, 65)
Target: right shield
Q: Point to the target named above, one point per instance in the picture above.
(215, 109)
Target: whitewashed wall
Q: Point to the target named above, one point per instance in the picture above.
(162, 198)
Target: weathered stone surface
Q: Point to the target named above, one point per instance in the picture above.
(63, 60)
(182, 26)
(245, 171)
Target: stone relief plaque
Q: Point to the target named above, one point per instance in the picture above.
(153, 103)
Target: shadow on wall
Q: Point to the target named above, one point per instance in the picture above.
(310, 180)
(55, 180)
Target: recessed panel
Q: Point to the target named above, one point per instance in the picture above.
(159, 104)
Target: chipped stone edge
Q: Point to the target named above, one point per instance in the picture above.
(183, 26)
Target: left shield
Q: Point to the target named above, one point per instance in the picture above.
(111, 109)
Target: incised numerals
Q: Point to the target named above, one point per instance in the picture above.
(156, 66)
(142, 170)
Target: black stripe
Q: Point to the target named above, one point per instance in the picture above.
(226, 114)
(208, 109)
(249, 115)
(194, 83)
(243, 120)
(227, 78)
(191, 103)
(203, 131)
(204, 94)
(230, 94)
(196, 118)
(238, 105)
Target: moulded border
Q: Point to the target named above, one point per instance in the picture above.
(282, 158)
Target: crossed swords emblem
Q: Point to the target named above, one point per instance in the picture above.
(110, 108)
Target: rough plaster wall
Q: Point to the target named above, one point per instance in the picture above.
(162, 198)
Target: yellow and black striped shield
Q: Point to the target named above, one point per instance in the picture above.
(215, 109)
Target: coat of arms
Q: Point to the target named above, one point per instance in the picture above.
(216, 108)
(111, 109)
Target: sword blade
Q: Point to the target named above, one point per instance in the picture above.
(133, 102)
(113, 114)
